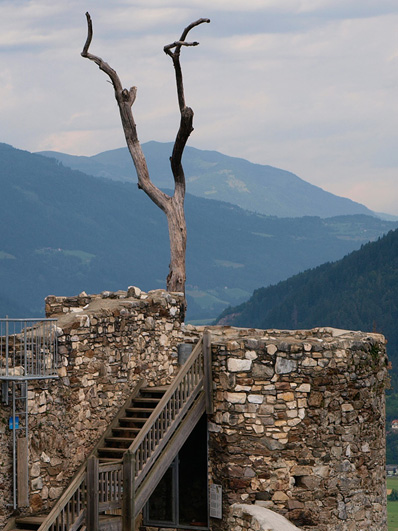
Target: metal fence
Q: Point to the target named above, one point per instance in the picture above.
(28, 349)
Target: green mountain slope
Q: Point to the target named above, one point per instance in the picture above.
(65, 232)
(359, 292)
(209, 174)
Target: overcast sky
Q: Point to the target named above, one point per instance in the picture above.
(310, 86)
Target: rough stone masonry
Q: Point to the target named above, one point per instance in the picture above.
(299, 426)
(107, 344)
(299, 416)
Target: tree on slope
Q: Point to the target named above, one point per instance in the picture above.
(172, 206)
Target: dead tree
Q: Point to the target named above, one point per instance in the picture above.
(172, 206)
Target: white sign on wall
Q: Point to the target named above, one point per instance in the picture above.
(215, 501)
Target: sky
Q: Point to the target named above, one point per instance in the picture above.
(309, 86)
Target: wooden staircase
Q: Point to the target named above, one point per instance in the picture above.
(133, 454)
(120, 437)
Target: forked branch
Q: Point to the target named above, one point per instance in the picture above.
(186, 122)
(175, 55)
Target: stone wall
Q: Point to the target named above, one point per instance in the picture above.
(299, 416)
(299, 426)
(107, 343)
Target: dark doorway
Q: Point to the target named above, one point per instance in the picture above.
(181, 498)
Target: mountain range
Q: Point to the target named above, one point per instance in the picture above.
(65, 232)
(212, 175)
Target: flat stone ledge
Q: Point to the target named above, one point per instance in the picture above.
(267, 520)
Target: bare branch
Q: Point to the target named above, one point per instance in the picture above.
(89, 35)
(193, 25)
(186, 122)
(125, 99)
(181, 42)
(169, 47)
(97, 60)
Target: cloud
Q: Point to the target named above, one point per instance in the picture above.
(305, 85)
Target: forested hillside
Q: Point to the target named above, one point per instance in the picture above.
(359, 292)
(65, 232)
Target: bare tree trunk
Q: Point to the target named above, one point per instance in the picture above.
(178, 243)
(172, 206)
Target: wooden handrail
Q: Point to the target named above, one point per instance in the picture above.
(157, 471)
(207, 367)
(58, 511)
(172, 408)
(166, 397)
(80, 477)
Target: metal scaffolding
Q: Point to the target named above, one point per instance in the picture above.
(28, 351)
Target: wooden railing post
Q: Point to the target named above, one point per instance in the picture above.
(128, 492)
(92, 509)
(207, 370)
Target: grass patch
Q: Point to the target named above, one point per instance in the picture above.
(6, 256)
(392, 515)
(204, 299)
(231, 294)
(221, 298)
(392, 482)
(392, 506)
(83, 256)
(227, 263)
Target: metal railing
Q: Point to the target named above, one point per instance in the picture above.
(28, 349)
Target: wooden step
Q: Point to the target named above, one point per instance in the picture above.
(146, 400)
(138, 420)
(139, 409)
(30, 520)
(111, 450)
(121, 440)
(127, 429)
(158, 390)
(28, 523)
(110, 523)
(131, 428)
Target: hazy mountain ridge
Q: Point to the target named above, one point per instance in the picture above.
(209, 174)
(66, 231)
